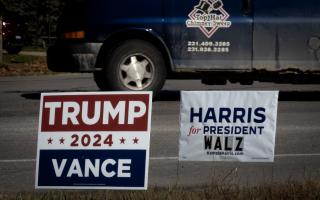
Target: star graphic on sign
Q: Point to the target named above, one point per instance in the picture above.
(61, 140)
(50, 140)
(135, 140)
(122, 140)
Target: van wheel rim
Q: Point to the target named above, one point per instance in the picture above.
(137, 72)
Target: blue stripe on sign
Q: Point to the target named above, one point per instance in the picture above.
(92, 168)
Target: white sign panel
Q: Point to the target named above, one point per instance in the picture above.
(228, 126)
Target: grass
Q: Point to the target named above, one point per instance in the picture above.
(33, 48)
(12, 58)
(23, 65)
(290, 190)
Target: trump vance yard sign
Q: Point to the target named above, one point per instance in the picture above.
(94, 140)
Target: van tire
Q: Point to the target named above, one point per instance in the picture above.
(134, 65)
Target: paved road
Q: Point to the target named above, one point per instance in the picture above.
(297, 142)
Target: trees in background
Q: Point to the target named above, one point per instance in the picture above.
(40, 16)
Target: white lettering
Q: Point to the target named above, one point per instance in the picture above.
(124, 112)
(90, 167)
(109, 110)
(124, 165)
(75, 169)
(85, 114)
(52, 110)
(72, 115)
(104, 168)
(58, 170)
(132, 110)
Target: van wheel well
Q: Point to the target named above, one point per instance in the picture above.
(113, 41)
(134, 65)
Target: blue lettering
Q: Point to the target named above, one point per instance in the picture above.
(194, 114)
(239, 114)
(260, 115)
(210, 115)
(225, 114)
(206, 129)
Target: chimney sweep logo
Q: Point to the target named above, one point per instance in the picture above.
(208, 16)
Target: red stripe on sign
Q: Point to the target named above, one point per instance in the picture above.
(111, 112)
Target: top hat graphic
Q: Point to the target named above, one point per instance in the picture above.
(207, 6)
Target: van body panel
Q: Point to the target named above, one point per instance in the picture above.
(222, 37)
(181, 39)
(107, 17)
(283, 35)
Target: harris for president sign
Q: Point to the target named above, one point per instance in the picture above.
(228, 126)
